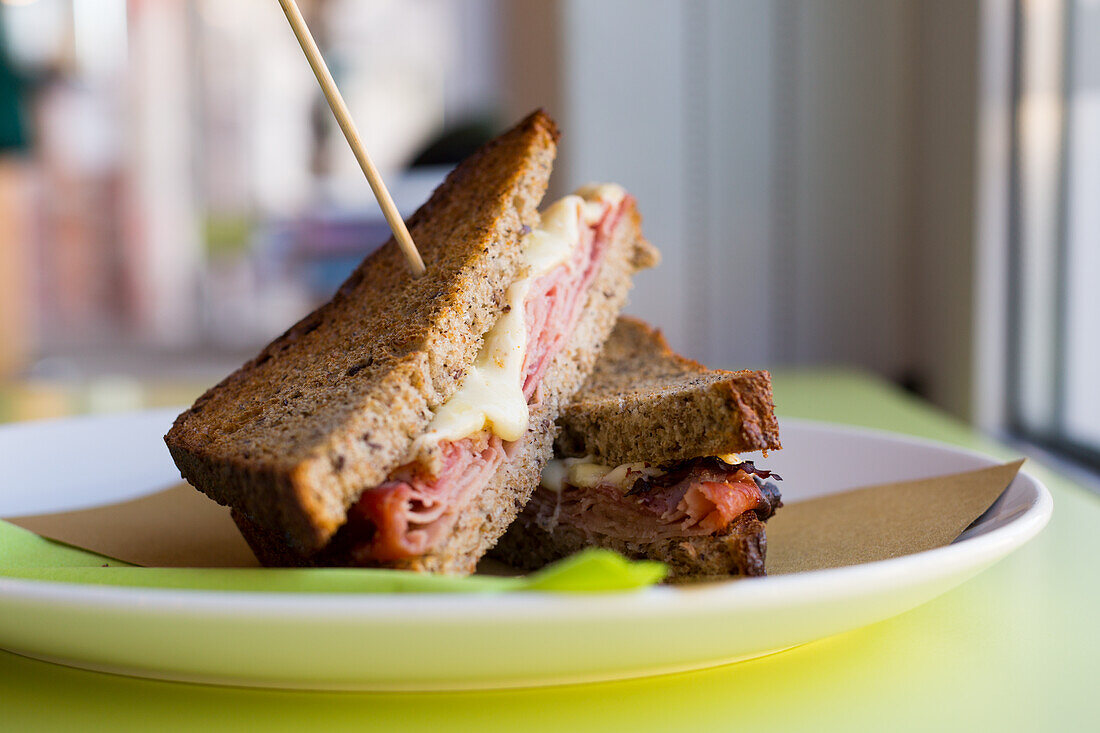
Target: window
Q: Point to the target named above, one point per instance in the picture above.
(1054, 383)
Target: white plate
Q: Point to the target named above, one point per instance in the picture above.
(416, 642)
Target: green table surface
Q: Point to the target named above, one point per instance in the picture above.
(1016, 648)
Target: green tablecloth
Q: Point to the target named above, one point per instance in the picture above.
(1017, 648)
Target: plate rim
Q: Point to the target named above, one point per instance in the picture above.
(744, 593)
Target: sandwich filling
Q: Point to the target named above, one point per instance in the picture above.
(645, 502)
(475, 431)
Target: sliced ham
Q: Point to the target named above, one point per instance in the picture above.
(694, 499)
(408, 514)
(553, 305)
(402, 516)
(709, 506)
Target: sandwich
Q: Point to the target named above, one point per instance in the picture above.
(648, 464)
(404, 423)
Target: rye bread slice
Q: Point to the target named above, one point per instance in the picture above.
(480, 524)
(645, 402)
(330, 407)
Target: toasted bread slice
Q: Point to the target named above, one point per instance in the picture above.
(330, 407)
(484, 520)
(644, 402)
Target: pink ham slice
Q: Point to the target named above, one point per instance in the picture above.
(703, 502)
(407, 515)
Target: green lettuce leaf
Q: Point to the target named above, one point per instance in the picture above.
(27, 556)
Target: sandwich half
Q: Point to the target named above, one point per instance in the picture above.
(647, 465)
(405, 422)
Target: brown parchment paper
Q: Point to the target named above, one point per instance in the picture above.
(881, 522)
(174, 528)
(179, 527)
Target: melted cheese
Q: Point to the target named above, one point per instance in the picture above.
(612, 193)
(491, 395)
(585, 473)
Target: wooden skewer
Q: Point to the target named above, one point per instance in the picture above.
(343, 118)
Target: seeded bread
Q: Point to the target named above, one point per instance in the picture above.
(480, 524)
(740, 550)
(644, 402)
(293, 437)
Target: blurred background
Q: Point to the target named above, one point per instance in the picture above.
(899, 187)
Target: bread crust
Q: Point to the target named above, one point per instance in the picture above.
(481, 523)
(645, 402)
(293, 437)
